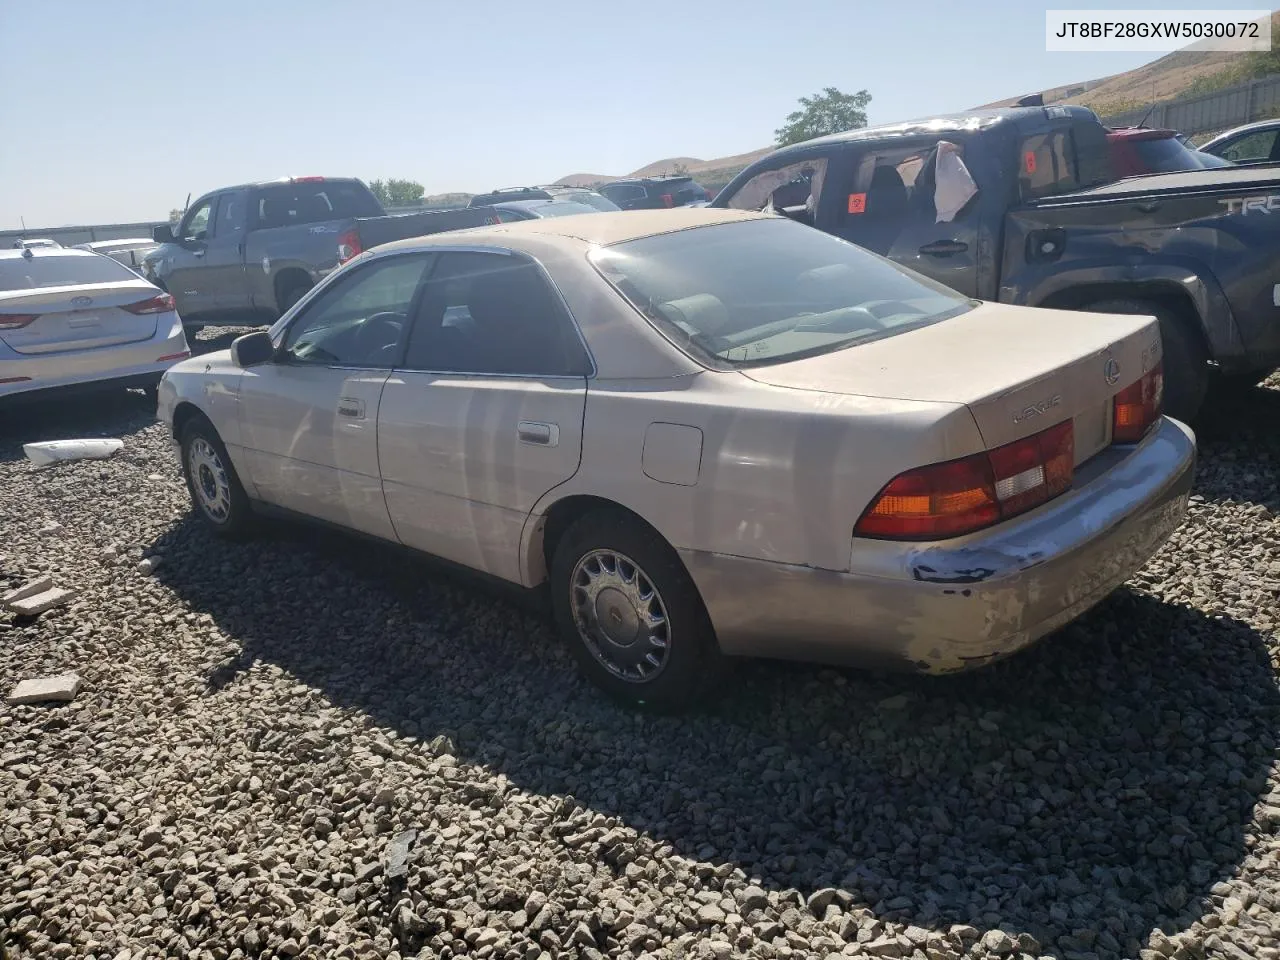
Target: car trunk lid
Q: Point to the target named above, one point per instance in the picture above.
(79, 317)
(1019, 370)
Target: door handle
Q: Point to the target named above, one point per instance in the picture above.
(351, 408)
(536, 432)
(197, 253)
(943, 248)
(1149, 206)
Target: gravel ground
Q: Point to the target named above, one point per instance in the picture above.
(258, 723)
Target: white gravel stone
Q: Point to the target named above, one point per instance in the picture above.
(62, 688)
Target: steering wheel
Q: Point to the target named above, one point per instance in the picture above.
(380, 333)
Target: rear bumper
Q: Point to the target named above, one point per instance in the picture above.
(126, 364)
(952, 605)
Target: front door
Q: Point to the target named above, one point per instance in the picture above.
(309, 418)
(186, 279)
(484, 416)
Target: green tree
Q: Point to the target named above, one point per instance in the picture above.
(175, 215)
(397, 193)
(827, 112)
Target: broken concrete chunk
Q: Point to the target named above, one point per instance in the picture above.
(60, 689)
(28, 590)
(35, 605)
(397, 862)
(54, 451)
(51, 528)
(148, 565)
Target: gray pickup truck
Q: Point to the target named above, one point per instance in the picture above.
(248, 253)
(1024, 206)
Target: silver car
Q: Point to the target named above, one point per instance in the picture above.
(74, 319)
(712, 432)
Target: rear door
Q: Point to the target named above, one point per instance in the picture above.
(628, 196)
(887, 200)
(484, 415)
(61, 301)
(187, 278)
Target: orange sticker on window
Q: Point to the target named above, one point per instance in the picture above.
(857, 203)
(1029, 161)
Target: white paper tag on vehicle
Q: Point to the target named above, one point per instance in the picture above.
(954, 184)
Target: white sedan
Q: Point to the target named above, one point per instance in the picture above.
(71, 319)
(711, 432)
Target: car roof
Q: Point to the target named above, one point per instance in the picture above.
(655, 179)
(594, 229)
(967, 121)
(1246, 128)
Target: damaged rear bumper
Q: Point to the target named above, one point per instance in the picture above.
(947, 606)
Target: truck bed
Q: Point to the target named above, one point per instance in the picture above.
(1190, 182)
(379, 230)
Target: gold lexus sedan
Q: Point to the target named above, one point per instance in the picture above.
(711, 433)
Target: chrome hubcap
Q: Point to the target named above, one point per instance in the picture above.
(620, 615)
(209, 480)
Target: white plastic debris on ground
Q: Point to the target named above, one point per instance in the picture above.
(57, 451)
(60, 689)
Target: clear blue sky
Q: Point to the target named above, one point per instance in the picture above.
(114, 111)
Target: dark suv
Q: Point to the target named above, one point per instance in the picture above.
(653, 193)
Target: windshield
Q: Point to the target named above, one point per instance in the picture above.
(26, 273)
(765, 291)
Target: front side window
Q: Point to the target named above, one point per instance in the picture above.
(196, 226)
(794, 185)
(765, 291)
(362, 319)
(230, 214)
(493, 313)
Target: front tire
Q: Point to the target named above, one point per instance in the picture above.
(1186, 364)
(631, 614)
(216, 493)
(291, 292)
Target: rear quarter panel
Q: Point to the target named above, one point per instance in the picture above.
(781, 474)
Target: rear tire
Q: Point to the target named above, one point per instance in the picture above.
(631, 614)
(1186, 364)
(216, 494)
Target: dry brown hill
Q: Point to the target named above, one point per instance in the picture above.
(713, 172)
(1173, 75)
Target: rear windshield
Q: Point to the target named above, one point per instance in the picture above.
(591, 200)
(292, 203)
(556, 208)
(489, 199)
(26, 273)
(765, 291)
(1166, 155)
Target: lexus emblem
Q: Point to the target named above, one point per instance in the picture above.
(1111, 370)
(81, 301)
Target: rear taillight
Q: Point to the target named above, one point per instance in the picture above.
(158, 304)
(16, 321)
(668, 200)
(1137, 407)
(961, 496)
(349, 246)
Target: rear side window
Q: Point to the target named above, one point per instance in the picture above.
(294, 203)
(1047, 164)
(28, 273)
(491, 313)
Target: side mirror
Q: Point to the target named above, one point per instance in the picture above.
(252, 349)
(162, 233)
